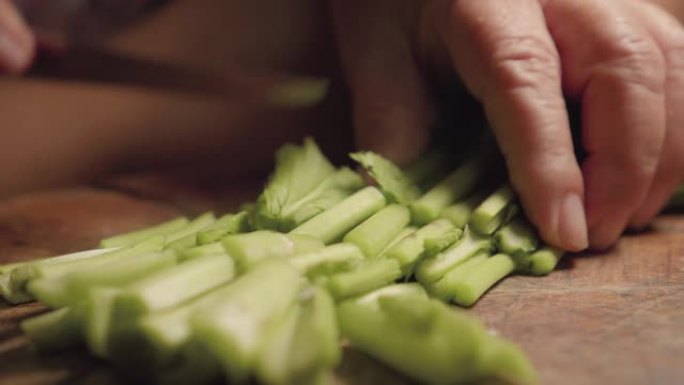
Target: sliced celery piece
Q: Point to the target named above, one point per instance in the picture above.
(171, 287)
(331, 225)
(329, 260)
(366, 277)
(140, 235)
(198, 224)
(445, 287)
(457, 185)
(302, 344)
(469, 289)
(376, 232)
(409, 250)
(459, 213)
(436, 245)
(540, 262)
(494, 211)
(303, 184)
(99, 319)
(13, 283)
(232, 328)
(405, 232)
(186, 242)
(215, 248)
(517, 238)
(440, 348)
(391, 180)
(55, 330)
(227, 224)
(118, 273)
(250, 248)
(432, 269)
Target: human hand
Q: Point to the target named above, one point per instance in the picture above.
(622, 60)
(17, 44)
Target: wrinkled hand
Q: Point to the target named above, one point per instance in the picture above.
(623, 60)
(16, 41)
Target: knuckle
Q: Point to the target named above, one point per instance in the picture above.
(524, 62)
(636, 60)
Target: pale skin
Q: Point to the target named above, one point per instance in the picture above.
(623, 60)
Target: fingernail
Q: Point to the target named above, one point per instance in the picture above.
(572, 223)
(12, 52)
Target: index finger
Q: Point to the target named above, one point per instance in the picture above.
(506, 57)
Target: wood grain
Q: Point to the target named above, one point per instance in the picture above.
(615, 318)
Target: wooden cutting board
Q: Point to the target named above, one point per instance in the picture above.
(615, 318)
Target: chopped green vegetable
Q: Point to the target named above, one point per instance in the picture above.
(432, 269)
(140, 235)
(205, 250)
(457, 185)
(73, 287)
(409, 250)
(55, 330)
(303, 185)
(250, 248)
(445, 287)
(541, 262)
(405, 232)
(459, 213)
(233, 327)
(494, 211)
(117, 273)
(13, 282)
(200, 223)
(99, 320)
(482, 277)
(396, 186)
(227, 224)
(303, 344)
(436, 245)
(445, 351)
(376, 232)
(171, 287)
(331, 259)
(331, 225)
(367, 276)
(517, 238)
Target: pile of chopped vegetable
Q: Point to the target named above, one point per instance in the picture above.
(272, 292)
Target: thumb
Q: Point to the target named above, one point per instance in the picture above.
(392, 109)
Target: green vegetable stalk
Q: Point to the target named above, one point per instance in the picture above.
(368, 276)
(517, 238)
(329, 260)
(409, 250)
(376, 232)
(169, 288)
(303, 185)
(396, 186)
(494, 211)
(457, 185)
(481, 278)
(432, 269)
(423, 338)
(232, 328)
(331, 225)
(250, 248)
(541, 262)
(149, 232)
